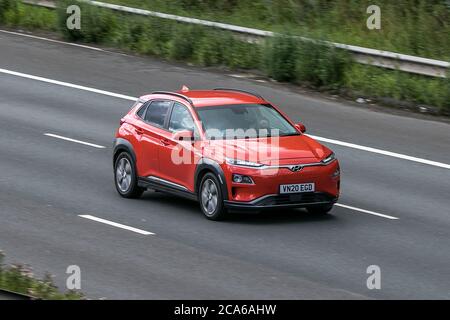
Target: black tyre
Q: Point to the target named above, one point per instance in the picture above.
(210, 198)
(323, 209)
(125, 177)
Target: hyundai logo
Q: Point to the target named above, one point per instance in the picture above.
(295, 168)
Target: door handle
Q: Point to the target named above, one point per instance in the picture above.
(165, 141)
(139, 131)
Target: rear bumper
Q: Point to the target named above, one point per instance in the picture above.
(300, 200)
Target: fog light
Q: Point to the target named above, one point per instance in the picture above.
(239, 178)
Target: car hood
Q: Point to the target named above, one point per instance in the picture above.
(295, 149)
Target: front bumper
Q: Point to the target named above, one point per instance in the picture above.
(265, 191)
(297, 200)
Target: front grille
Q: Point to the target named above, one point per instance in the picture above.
(300, 198)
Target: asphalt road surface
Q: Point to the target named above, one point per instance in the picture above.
(394, 213)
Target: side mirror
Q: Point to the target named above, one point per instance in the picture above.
(300, 126)
(183, 135)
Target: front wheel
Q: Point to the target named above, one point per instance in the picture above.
(319, 210)
(211, 200)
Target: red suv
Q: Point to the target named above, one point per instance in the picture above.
(228, 149)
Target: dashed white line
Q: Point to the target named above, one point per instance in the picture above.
(332, 141)
(115, 224)
(383, 152)
(73, 140)
(366, 211)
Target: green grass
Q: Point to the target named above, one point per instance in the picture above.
(376, 82)
(19, 279)
(419, 27)
(14, 13)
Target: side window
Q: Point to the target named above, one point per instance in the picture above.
(181, 118)
(141, 111)
(157, 112)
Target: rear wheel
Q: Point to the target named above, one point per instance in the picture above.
(125, 177)
(323, 209)
(210, 197)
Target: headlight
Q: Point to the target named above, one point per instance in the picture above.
(329, 159)
(239, 178)
(236, 162)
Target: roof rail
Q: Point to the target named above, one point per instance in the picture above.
(179, 95)
(239, 90)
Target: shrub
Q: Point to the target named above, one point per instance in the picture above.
(20, 279)
(184, 41)
(97, 25)
(320, 64)
(280, 58)
(13, 13)
(209, 49)
(377, 82)
(6, 6)
(241, 54)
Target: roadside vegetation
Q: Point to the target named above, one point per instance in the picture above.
(15, 14)
(312, 64)
(416, 27)
(20, 279)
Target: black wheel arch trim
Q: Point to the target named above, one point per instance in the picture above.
(213, 166)
(120, 145)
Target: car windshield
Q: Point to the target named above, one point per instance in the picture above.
(244, 121)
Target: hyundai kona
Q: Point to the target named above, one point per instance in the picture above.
(228, 149)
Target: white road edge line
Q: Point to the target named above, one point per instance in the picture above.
(332, 141)
(51, 40)
(366, 211)
(115, 224)
(67, 84)
(73, 140)
(383, 152)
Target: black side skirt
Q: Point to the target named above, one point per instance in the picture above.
(161, 186)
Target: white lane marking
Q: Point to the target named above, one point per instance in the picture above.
(115, 224)
(337, 142)
(51, 40)
(73, 140)
(383, 152)
(366, 211)
(66, 84)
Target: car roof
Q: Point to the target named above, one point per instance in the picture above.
(208, 98)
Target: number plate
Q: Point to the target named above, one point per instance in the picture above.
(297, 188)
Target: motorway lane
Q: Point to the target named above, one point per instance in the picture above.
(275, 255)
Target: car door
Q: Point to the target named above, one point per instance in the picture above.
(177, 162)
(151, 136)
